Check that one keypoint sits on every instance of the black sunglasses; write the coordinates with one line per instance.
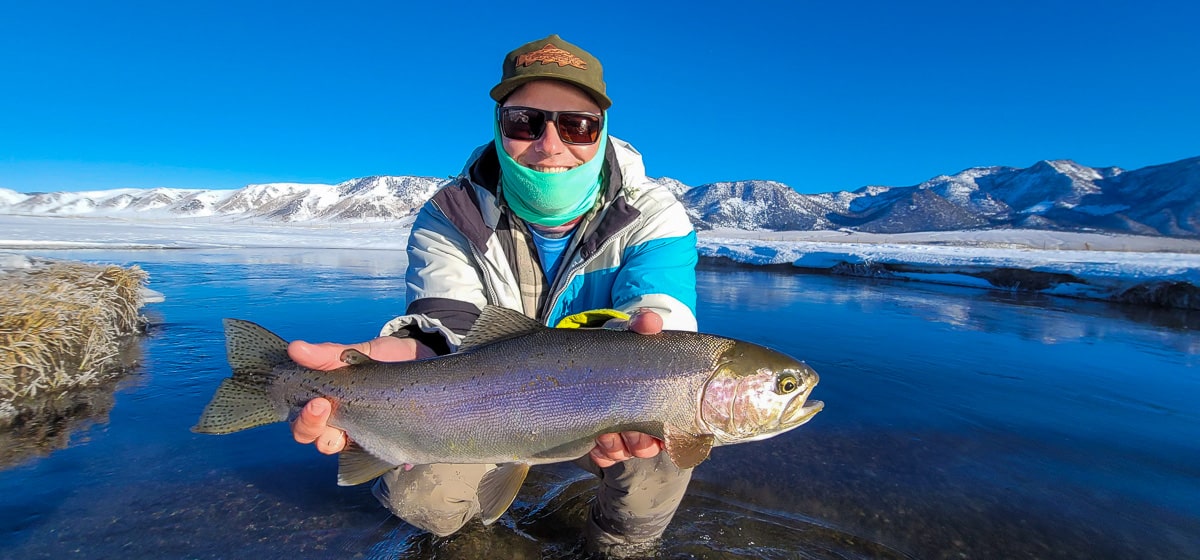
(527, 123)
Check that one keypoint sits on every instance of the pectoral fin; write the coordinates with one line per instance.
(499, 488)
(686, 450)
(356, 466)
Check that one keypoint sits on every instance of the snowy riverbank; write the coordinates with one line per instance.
(1136, 269)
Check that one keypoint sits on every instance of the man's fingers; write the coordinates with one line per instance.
(324, 356)
(641, 445)
(600, 459)
(610, 443)
(310, 425)
(331, 441)
(393, 349)
(645, 321)
(327, 356)
(611, 449)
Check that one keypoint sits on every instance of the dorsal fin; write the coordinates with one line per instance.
(497, 323)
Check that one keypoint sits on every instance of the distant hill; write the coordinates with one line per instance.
(1057, 195)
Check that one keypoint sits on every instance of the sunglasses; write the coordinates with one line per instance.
(527, 123)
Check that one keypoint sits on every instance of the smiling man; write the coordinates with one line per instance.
(556, 219)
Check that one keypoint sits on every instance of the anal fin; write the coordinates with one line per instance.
(499, 488)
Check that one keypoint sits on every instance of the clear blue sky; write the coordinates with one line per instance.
(823, 96)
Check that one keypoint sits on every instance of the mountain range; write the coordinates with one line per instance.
(1162, 200)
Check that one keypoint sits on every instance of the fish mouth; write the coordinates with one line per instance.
(799, 411)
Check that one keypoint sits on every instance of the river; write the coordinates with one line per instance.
(958, 424)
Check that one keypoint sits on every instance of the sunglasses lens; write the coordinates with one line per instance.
(578, 128)
(522, 124)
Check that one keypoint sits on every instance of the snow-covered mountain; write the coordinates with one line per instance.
(358, 200)
(752, 205)
(1058, 194)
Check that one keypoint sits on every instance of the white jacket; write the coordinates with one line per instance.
(635, 249)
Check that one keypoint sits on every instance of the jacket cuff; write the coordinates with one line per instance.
(437, 323)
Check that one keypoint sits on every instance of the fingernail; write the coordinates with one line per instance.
(317, 407)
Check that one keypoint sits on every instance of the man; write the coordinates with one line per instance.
(556, 219)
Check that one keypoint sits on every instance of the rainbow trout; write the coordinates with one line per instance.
(518, 394)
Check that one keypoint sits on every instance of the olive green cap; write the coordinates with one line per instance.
(555, 59)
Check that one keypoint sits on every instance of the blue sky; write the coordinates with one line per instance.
(823, 96)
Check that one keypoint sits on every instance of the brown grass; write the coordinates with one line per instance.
(61, 324)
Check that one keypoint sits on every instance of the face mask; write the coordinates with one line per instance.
(550, 199)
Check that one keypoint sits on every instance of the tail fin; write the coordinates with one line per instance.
(242, 402)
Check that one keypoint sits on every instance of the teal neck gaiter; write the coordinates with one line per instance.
(551, 199)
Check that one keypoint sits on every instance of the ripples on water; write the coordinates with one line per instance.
(958, 423)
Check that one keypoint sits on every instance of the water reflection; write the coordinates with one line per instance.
(51, 421)
(1049, 320)
(47, 423)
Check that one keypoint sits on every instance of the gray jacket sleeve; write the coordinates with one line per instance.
(444, 289)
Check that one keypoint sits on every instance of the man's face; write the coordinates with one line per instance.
(549, 154)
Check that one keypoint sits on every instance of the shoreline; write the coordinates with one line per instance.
(1153, 293)
(1144, 270)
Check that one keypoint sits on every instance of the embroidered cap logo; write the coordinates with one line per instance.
(551, 54)
(551, 58)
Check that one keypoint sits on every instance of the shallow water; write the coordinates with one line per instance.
(958, 424)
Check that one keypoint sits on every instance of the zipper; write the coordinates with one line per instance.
(561, 283)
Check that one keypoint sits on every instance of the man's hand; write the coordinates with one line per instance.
(644, 321)
(611, 449)
(312, 424)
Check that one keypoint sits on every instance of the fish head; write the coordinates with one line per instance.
(756, 393)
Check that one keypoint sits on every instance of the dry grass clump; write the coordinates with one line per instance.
(61, 323)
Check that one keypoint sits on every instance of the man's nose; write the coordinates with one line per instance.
(550, 143)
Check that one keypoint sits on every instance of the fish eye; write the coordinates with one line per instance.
(786, 384)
